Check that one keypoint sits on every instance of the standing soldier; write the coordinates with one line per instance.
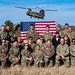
(26, 59)
(65, 31)
(62, 53)
(17, 31)
(38, 56)
(14, 54)
(32, 33)
(9, 33)
(72, 52)
(56, 40)
(3, 53)
(59, 29)
(47, 34)
(71, 33)
(48, 51)
(3, 34)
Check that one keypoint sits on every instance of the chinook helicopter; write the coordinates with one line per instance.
(39, 15)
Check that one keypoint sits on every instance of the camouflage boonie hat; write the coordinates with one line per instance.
(25, 42)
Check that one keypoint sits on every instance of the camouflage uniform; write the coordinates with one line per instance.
(33, 34)
(64, 32)
(3, 55)
(38, 57)
(41, 45)
(60, 33)
(47, 36)
(71, 35)
(3, 35)
(20, 45)
(64, 50)
(72, 54)
(17, 33)
(9, 36)
(48, 51)
(26, 54)
(14, 55)
(32, 46)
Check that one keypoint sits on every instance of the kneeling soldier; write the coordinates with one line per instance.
(48, 51)
(62, 53)
(14, 54)
(3, 53)
(72, 52)
(26, 59)
(38, 56)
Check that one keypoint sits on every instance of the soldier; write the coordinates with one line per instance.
(71, 33)
(17, 30)
(20, 43)
(3, 53)
(40, 41)
(9, 33)
(65, 31)
(67, 40)
(14, 54)
(32, 33)
(31, 43)
(26, 59)
(48, 51)
(56, 40)
(59, 29)
(3, 34)
(38, 56)
(47, 34)
(62, 53)
(72, 52)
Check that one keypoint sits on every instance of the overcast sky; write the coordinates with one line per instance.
(65, 13)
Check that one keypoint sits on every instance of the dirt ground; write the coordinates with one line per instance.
(17, 70)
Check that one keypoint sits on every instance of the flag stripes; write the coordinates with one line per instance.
(39, 27)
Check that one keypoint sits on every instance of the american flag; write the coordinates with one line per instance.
(39, 27)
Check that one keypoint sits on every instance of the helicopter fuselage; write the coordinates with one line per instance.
(35, 14)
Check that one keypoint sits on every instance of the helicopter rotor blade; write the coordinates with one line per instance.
(46, 9)
(38, 7)
(50, 10)
(21, 7)
(24, 8)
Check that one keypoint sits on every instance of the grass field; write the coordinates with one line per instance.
(17, 70)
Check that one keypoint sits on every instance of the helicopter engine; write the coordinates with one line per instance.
(29, 12)
(42, 13)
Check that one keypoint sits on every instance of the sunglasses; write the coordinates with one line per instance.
(26, 45)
